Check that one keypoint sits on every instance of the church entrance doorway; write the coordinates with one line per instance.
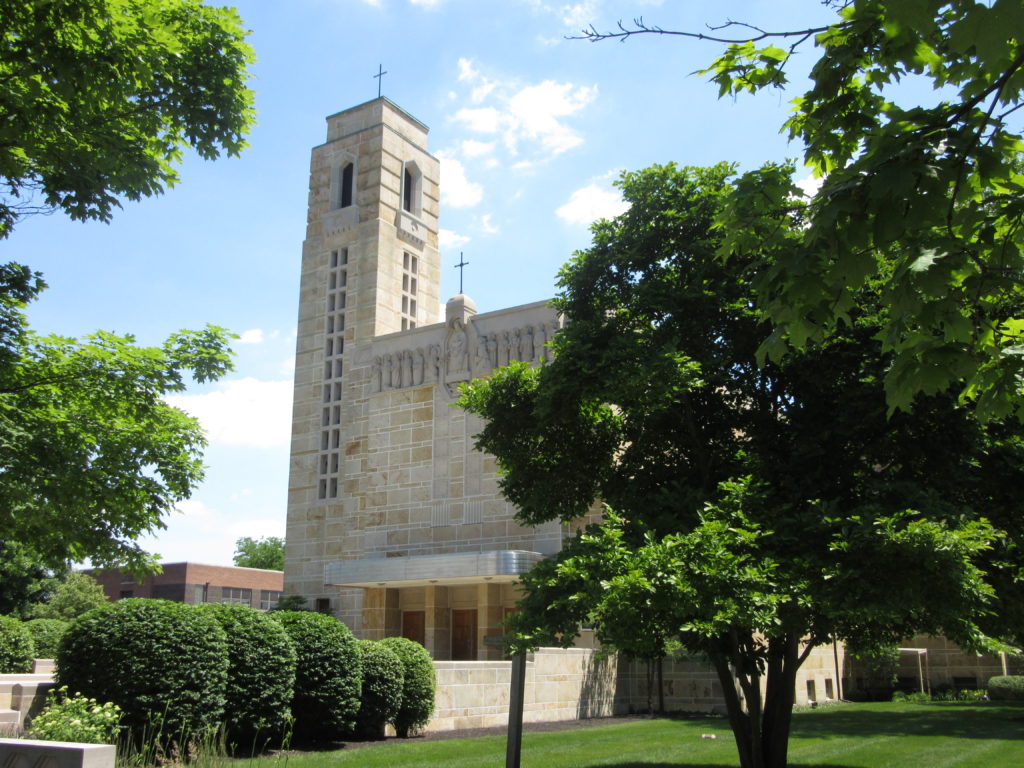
(413, 626)
(464, 635)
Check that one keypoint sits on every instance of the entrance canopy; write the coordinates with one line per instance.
(459, 568)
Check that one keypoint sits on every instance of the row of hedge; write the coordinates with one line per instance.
(179, 670)
(23, 641)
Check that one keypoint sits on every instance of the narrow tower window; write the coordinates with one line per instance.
(412, 188)
(407, 185)
(347, 183)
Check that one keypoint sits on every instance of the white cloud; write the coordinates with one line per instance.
(245, 412)
(487, 226)
(529, 119)
(195, 509)
(473, 148)
(252, 336)
(457, 191)
(481, 119)
(467, 71)
(809, 185)
(539, 107)
(448, 239)
(579, 15)
(590, 203)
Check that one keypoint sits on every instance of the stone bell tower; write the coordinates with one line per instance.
(370, 267)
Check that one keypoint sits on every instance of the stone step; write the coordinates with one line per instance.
(10, 717)
(6, 690)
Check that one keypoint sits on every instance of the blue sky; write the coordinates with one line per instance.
(531, 130)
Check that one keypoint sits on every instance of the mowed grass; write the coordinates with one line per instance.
(839, 736)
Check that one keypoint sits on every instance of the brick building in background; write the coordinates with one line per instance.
(195, 583)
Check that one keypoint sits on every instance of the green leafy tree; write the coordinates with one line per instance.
(927, 197)
(265, 553)
(91, 455)
(759, 510)
(75, 595)
(24, 580)
(46, 636)
(101, 97)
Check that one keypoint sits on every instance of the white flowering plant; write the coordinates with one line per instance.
(73, 717)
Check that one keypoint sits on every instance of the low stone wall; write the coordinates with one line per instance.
(581, 682)
(687, 686)
(560, 685)
(945, 664)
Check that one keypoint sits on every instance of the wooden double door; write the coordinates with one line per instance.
(463, 632)
(464, 635)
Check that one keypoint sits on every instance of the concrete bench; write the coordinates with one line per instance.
(28, 753)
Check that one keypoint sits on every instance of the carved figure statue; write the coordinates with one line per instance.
(389, 371)
(418, 366)
(434, 363)
(375, 374)
(480, 355)
(492, 350)
(528, 352)
(504, 348)
(407, 368)
(458, 357)
(541, 340)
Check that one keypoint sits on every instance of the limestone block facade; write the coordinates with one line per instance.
(395, 523)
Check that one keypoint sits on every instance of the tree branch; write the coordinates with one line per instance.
(640, 28)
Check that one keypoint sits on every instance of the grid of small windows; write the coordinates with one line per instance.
(269, 598)
(410, 275)
(236, 595)
(334, 351)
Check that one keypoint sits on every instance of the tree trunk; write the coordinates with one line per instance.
(761, 729)
(780, 695)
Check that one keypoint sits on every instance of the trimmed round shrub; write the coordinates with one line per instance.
(46, 634)
(76, 718)
(328, 676)
(261, 675)
(383, 678)
(418, 686)
(164, 664)
(17, 650)
(1006, 688)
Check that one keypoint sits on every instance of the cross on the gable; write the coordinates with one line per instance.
(462, 263)
(379, 77)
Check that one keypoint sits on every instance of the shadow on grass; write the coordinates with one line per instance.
(642, 764)
(967, 722)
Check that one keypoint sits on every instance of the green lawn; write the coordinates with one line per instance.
(842, 736)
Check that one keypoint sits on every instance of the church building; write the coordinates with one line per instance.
(395, 521)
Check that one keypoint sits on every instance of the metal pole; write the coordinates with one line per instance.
(517, 687)
(839, 676)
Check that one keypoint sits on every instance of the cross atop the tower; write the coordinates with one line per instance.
(379, 77)
(462, 263)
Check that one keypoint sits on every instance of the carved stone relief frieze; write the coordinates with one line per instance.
(464, 353)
